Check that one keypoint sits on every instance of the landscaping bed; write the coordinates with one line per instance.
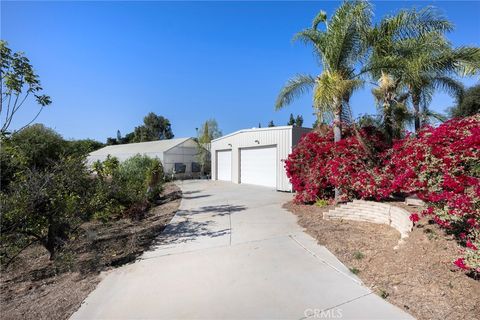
(419, 277)
(33, 287)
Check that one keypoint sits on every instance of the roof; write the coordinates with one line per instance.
(257, 129)
(141, 147)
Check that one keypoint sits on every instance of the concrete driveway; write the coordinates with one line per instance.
(232, 252)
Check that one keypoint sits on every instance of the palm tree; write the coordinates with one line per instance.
(429, 63)
(392, 104)
(410, 53)
(339, 48)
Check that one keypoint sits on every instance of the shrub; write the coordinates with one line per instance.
(317, 165)
(41, 146)
(133, 179)
(441, 165)
(44, 206)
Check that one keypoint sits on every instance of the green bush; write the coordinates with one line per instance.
(44, 206)
(126, 188)
(42, 147)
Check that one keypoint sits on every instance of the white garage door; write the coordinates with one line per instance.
(224, 165)
(259, 166)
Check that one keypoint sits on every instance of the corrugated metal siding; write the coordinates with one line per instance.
(281, 137)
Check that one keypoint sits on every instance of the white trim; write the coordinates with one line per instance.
(256, 129)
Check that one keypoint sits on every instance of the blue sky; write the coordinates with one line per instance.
(107, 64)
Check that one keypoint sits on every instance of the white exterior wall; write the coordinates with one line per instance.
(281, 137)
(185, 153)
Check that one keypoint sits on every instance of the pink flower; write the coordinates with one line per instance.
(471, 245)
(460, 262)
(414, 217)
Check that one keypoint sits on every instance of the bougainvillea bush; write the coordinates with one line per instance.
(439, 164)
(442, 166)
(317, 166)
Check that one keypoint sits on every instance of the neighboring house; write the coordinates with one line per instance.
(255, 156)
(178, 156)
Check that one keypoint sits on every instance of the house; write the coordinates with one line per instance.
(178, 156)
(255, 156)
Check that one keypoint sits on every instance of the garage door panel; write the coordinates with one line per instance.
(224, 165)
(259, 166)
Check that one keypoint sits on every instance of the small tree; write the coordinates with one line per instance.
(18, 82)
(299, 121)
(271, 124)
(291, 120)
(154, 127)
(469, 105)
(44, 206)
(208, 131)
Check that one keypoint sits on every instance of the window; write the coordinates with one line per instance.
(196, 167)
(180, 167)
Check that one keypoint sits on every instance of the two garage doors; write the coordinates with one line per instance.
(256, 166)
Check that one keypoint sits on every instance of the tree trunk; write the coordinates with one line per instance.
(416, 111)
(337, 133)
(337, 122)
(50, 242)
(387, 118)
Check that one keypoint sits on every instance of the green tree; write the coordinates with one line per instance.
(18, 82)
(41, 146)
(82, 147)
(271, 124)
(111, 141)
(392, 104)
(208, 131)
(468, 105)
(298, 121)
(339, 48)
(291, 120)
(154, 127)
(412, 50)
(44, 206)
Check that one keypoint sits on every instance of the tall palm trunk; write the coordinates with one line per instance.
(416, 110)
(387, 117)
(337, 120)
(337, 132)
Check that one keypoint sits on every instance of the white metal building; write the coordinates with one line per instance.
(255, 156)
(177, 155)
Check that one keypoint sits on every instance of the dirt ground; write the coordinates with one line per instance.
(419, 277)
(35, 288)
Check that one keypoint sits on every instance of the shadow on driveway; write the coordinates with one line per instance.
(216, 211)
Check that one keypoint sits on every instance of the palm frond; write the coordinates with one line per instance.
(294, 88)
(319, 18)
(451, 86)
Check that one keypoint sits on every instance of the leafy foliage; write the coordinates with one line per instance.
(35, 147)
(206, 134)
(469, 104)
(154, 127)
(441, 165)
(18, 82)
(44, 205)
(338, 48)
(47, 191)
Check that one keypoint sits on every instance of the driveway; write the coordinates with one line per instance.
(232, 252)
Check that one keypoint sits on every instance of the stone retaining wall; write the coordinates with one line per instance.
(374, 212)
